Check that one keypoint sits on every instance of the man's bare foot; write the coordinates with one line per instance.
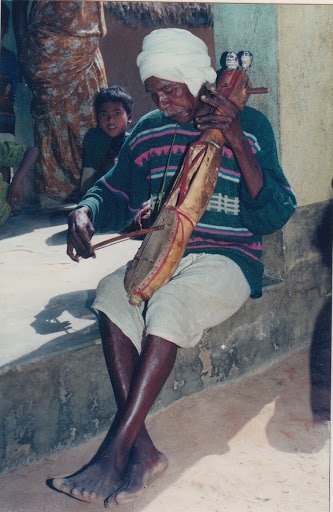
(141, 472)
(93, 483)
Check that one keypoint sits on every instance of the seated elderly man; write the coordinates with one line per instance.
(221, 267)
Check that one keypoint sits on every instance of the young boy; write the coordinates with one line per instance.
(12, 154)
(101, 145)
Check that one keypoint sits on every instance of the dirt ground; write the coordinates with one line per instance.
(248, 446)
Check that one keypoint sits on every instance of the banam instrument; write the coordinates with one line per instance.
(161, 250)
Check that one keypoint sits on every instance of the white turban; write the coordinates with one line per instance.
(177, 55)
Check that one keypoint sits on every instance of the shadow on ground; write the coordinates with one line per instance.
(320, 353)
(50, 320)
(30, 220)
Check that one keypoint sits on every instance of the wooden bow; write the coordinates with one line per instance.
(131, 234)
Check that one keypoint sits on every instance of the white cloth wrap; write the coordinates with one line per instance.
(204, 291)
(177, 55)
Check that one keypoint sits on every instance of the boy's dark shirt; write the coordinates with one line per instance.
(100, 150)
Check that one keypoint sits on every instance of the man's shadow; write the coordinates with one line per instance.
(320, 364)
(320, 354)
(77, 304)
(317, 376)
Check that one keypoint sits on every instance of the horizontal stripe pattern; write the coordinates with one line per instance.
(153, 154)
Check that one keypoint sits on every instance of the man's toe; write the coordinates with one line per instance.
(59, 484)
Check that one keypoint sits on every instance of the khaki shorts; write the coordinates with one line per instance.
(205, 290)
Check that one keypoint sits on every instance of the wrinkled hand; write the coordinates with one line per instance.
(146, 210)
(144, 213)
(79, 235)
(225, 117)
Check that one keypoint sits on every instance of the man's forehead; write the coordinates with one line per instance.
(154, 83)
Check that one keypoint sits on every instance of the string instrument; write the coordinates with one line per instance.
(161, 250)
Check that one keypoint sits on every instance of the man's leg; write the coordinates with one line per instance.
(146, 462)
(105, 473)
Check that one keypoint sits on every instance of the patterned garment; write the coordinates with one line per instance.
(64, 69)
(233, 223)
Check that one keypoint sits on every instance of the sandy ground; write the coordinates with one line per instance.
(248, 446)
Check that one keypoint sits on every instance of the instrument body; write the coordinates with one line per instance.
(161, 251)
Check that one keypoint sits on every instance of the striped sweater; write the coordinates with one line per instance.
(233, 223)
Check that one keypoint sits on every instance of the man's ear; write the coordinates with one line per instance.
(129, 118)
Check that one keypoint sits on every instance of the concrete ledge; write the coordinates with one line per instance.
(59, 395)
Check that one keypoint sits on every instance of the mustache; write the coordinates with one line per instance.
(173, 113)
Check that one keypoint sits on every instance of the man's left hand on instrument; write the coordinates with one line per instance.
(225, 117)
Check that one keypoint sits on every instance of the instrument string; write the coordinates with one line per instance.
(161, 193)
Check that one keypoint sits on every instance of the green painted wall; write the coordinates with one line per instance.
(252, 27)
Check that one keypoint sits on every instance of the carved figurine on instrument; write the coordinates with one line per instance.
(245, 58)
(231, 60)
(213, 174)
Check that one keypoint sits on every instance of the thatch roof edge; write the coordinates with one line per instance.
(181, 14)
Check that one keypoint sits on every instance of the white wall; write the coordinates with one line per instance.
(305, 39)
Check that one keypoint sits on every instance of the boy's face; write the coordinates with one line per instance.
(112, 118)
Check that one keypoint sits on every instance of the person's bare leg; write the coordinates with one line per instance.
(146, 462)
(104, 474)
(96, 480)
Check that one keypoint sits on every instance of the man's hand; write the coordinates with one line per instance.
(225, 117)
(144, 213)
(79, 235)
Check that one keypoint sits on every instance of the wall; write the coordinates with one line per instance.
(305, 48)
(254, 28)
(292, 46)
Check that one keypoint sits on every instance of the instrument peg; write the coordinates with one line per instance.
(245, 57)
(257, 90)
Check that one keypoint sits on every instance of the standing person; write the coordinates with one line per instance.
(59, 55)
(101, 145)
(8, 82)
(221, 267)
(12, 155)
